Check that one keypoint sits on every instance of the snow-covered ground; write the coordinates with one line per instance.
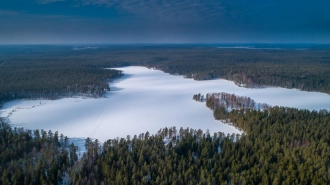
(146, 100)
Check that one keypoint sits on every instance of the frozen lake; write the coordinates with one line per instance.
(146, 100)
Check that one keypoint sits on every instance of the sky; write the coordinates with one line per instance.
(164, 21)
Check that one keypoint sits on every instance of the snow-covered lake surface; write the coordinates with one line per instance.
(145, 100)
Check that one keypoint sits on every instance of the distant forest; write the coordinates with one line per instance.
(46, 77)
(56, 71)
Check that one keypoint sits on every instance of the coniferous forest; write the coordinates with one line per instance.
(34, 157)
(57, 71)
(52, 80)
(279, 145)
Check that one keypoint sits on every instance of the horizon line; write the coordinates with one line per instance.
(183, 43)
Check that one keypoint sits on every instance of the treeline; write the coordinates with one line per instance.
(183, 156)
(308, 70)
(40, 78)
(34, 157)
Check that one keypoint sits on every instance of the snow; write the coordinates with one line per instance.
(145, 100)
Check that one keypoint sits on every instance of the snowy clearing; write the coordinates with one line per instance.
(146, 100)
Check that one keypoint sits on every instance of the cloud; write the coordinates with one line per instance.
(166, 21)
(8, 12)
(189, 11)
(48, 1)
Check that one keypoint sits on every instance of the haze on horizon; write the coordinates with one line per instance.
(160, 21)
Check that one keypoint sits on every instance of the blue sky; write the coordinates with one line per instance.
(164, 21)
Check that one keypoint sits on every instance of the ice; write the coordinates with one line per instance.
(146, 100)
